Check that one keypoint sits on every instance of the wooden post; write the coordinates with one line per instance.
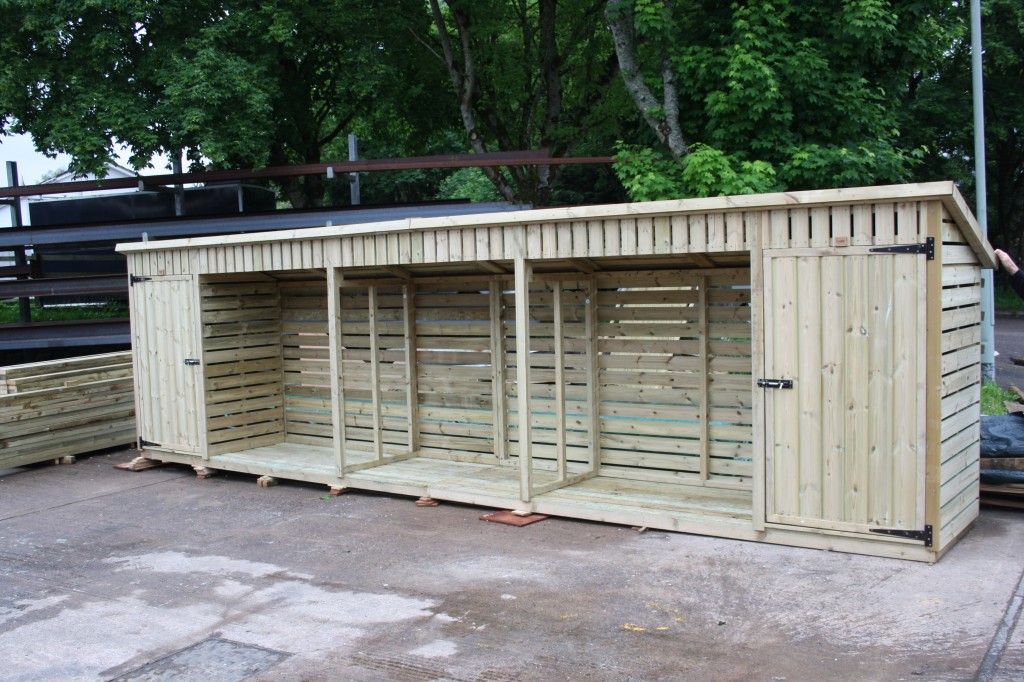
(559, 333)
(411, 367)
(705, 401)
(334, 335)
(593, 388)
(378, 426)
(524, 273)
(499, 403)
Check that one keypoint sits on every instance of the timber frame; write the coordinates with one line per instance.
(798, 368)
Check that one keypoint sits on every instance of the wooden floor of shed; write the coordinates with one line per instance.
(669, 506)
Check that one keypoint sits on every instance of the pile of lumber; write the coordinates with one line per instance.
(62, 408)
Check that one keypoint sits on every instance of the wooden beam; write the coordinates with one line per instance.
(499, 395)
(701, 260)
(593, 387)
(334, 282)
(585, 265)
(412, 391)
(524, 271)
(378, 425)
(491, 266)
(757, 362)
(559, 333)
(705, 402)
(397, 271)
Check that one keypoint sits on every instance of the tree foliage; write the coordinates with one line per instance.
(939, 113)
(525, 75)
(784, 94)
(236, 84)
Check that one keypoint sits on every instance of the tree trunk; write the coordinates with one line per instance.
(661, 116)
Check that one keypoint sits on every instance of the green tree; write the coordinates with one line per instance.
(526, 75)
(757, 96)
(231, 84)
(939, 113)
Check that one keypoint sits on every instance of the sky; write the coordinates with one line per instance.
(32, 165)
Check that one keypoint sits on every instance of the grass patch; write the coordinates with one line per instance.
(9, 312)
(1005, 298)
(992, 398)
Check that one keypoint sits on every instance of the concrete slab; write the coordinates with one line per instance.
(103, 571)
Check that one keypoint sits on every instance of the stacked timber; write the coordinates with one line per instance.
(50, 410)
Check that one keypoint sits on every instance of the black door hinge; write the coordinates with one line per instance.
(927, 248)
(924, 536)
(148, 444)
(135, 279)
(775, 383)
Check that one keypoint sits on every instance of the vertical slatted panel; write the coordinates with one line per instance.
(863, 225)
(881, 378)
(885, 224)
(842, 228)
(808, 317)
(857, 357)
(164, 336)
(847, 446)
(242, 359)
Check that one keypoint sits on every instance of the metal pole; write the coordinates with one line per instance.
(988, 357)
(24, 304)
(353, 178)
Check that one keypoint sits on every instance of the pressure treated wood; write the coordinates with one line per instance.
(598, 362)
(65, 407)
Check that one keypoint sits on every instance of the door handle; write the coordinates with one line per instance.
(775, 383)
(191, 361)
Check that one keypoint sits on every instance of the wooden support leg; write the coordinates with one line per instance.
(337, 490)
(266, 481)
(140, 464)
(68, 459)
(203, 473)
(427, 502)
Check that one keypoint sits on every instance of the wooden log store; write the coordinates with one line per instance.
(798, 368)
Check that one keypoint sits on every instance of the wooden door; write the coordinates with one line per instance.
(846, 444)
(168, 370)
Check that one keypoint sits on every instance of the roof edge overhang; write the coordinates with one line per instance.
(945, 191)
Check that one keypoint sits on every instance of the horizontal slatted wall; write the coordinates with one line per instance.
(456, 343)
(546, 368)
(306, 362)
(675, 378)
(961, 382)
(241, 320)
(373, 370)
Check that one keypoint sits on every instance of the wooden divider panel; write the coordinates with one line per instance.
(373, 370)
(457, 348)
(306, 362)
(675, 377)
(242, 359)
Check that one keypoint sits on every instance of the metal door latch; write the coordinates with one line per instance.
(191, 361)
(775, 383)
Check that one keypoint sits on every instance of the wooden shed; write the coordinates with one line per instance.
(799, 368)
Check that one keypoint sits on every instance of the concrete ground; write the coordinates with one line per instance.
(106, 574)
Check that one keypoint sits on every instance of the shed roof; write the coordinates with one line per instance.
(946, 192)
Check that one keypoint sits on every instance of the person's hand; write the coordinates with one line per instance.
(1007, 262)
